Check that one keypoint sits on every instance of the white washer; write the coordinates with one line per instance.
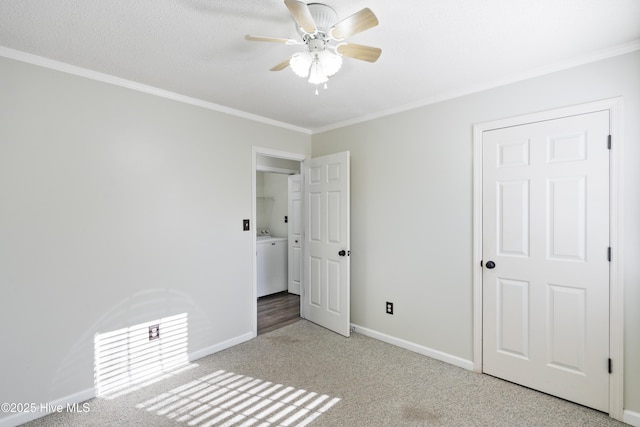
(272, 265)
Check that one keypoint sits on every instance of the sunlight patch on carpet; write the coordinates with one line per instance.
(228, 399)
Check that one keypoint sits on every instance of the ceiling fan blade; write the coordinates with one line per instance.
(281, 66)
(354, 24)
(301, 14)
(358, 51)
(271, 39)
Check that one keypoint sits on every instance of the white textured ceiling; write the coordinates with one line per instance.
(431, 49)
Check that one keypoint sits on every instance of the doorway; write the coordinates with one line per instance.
(275, 307)
(513, 342)
(325, 230)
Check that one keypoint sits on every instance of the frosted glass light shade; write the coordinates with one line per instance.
(317, 74)
(318, 66)
(300, 63)
(330, 62)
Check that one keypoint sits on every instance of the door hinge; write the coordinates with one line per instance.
(609, 254)
(610, 366)
(609, 142)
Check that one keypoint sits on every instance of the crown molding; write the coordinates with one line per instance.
(106, 78)
(117, 81)
(564, 65)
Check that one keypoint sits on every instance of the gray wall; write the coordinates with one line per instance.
(117, 207)
(273, 202)
(411, 206)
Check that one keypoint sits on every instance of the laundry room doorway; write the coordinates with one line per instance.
(278, 302)
(323, 235)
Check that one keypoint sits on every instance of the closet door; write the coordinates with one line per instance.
(545, 252)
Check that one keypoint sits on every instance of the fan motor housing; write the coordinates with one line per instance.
(324, 17)
(317, 44)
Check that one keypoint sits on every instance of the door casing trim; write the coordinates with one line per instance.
(616, 283)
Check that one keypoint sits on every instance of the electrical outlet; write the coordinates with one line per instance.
(389, 307)
(154, 332)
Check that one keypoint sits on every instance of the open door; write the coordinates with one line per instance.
(326, 288)
(295, 233)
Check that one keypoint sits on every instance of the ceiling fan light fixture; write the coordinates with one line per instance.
(318, 66)
(317, 74)
(300, 63)
(330, 62)
(322, 35)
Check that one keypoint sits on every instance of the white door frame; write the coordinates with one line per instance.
(255, 151)
(616, 296)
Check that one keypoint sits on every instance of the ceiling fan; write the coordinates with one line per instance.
(323, 38)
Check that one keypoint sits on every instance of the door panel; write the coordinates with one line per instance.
(334, 287)
(314, 217)
(295, 233)
(568, 329)
(326, 290)
(315, 282)
(513, 201)
(513, 322)
(333, 217)
(546, 228)
(567, 218)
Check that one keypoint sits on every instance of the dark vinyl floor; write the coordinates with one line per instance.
(277, 310)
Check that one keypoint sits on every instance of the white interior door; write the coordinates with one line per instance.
(545, 254)
(326, 287)
(295, 233)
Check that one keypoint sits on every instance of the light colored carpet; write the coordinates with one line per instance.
(303, 374)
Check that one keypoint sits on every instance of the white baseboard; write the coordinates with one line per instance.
(46, 408)
(632, 418)
(199, 354)
(425, 351)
